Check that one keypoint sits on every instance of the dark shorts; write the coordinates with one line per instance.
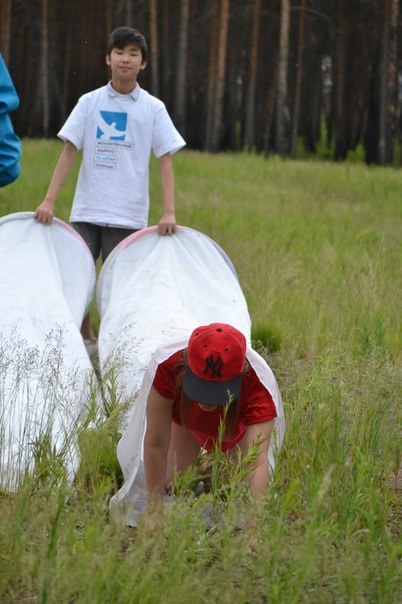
(101, 239)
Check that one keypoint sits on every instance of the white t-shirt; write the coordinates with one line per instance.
(117, 133)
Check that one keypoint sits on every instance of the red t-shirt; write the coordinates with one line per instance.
(256, 405)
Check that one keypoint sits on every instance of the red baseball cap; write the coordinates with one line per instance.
(216, 357)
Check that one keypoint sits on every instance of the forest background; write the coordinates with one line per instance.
(291, 77)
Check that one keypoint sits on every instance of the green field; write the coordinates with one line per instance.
(318, 249)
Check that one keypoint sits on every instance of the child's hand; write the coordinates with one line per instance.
(153, 521)
(44, 212)
(167, 224)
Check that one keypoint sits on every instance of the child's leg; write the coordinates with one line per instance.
(86, 328)
(111, 237)
(91, 234)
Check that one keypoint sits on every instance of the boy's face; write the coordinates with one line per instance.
(126, 63)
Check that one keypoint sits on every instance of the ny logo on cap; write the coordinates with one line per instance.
(213, 366)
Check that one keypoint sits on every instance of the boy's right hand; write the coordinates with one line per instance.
(44, 213)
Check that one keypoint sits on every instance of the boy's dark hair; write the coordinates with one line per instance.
(122, 36)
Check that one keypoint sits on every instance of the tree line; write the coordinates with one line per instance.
(269, 76)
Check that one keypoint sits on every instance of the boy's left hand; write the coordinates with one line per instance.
(167, 225)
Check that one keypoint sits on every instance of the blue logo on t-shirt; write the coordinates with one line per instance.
(111, 126)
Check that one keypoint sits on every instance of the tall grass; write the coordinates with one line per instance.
(317, 247)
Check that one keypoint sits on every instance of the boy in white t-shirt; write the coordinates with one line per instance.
(117, 126)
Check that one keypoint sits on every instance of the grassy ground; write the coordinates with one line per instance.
(317, 247)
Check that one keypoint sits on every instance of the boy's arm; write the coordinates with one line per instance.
(258, 435)
(45, 212)
(167, 224)
(156, 444)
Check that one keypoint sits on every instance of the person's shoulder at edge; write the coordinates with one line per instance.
(10, 145)
(9, 100)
